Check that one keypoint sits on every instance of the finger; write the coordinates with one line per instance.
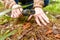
(18, 11)
(12, 14)
(41, 19)
(15, 13)
(45, 18)
(21, 9)
(37, 20)
(30, 17)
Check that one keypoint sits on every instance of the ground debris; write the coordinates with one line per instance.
(31, 31)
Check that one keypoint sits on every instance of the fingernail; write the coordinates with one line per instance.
(45, 24)
(40, 25)
(11, 15)
(48, 21)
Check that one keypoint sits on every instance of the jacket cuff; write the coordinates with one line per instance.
(8, 3)
(38, 3)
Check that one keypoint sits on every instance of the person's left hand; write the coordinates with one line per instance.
(40, 17)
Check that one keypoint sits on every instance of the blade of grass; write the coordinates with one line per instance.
(3, 37)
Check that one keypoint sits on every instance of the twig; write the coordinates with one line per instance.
(25, 32)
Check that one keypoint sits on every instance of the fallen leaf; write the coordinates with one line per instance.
(57, 35)
(49, 31)
(26, 25)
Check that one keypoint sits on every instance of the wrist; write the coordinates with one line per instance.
(38, 3)
(16, 6)
(37, 8)
(9, 3)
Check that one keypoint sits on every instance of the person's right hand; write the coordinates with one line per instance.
(16, 13)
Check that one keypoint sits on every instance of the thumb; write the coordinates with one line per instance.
(30, 17)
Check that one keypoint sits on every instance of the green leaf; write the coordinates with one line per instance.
(4, 12)
(3, 37)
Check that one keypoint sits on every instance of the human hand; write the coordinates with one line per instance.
(40, 17)
(16, 12)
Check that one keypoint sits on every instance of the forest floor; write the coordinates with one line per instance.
(20, 29)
